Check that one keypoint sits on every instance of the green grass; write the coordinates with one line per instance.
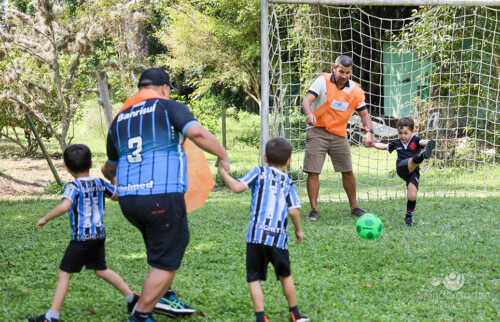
(339, 276)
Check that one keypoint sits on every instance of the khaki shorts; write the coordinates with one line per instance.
(318, 143)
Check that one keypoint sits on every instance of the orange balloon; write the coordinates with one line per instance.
(200, 181)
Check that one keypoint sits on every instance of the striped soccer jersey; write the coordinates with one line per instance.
(273, 193)
(146, 143)
(87, 209)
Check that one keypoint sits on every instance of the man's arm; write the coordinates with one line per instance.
(109, 171)
(307, 107)
(208, 142)
(367, 123)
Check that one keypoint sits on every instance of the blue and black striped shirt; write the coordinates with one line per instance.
(146, 143)
(87, 209)
(273, 193)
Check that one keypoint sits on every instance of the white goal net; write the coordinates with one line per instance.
(437, 64)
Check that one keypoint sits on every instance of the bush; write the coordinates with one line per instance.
(54, 189)
(219, 182)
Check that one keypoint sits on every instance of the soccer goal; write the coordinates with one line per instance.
(437, 61)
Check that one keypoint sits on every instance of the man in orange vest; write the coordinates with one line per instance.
(329, 104)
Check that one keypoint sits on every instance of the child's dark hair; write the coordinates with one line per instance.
(406, 121)
(78, 158)
(278, 151)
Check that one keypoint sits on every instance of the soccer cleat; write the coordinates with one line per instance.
(358, 212)
(135, 319)
(313, 215)
(172, 306)
(131, 305)
(428, 149)
(298, 318)
(408, 220)
(42, 318)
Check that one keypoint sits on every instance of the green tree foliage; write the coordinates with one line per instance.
(463, 44)
(215, 43)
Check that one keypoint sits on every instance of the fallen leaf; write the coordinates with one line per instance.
(368, 285)
(493, 269)
(90, 310)
(200, 313)
(319, 310)
(420, 297)
(24, 290)
(9, 264)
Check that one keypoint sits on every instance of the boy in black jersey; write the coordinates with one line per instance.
(410, 156)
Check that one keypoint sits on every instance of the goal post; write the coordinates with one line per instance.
(437, 61)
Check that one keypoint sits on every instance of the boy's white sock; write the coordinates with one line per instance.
(51, 315)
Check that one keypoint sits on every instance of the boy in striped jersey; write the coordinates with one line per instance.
(83, 200)
(274, 196)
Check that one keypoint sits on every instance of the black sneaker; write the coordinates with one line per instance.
(298, 318)
(131, 305)
(408, 220)
(42, 318)
(313, 215)
(428, 149)
(358, 212)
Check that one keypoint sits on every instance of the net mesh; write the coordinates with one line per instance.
(439, 65)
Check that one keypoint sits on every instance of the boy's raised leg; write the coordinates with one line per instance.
(114, 279)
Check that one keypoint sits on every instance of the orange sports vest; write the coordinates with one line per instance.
(334, 114)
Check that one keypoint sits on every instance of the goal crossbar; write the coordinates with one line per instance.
(394, 2)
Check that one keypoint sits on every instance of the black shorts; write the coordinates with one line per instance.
(90, 253)
(258, 258)
(162, 220)
(404, 173)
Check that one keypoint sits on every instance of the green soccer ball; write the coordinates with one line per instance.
(369, 226)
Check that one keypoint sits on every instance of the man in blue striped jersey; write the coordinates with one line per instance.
(147, 159)
(83, 200)
(274, 196)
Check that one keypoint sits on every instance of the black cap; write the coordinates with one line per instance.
(155, 76)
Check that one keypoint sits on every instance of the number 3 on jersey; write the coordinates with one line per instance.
(135, 145)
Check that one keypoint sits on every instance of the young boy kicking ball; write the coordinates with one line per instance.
(408, 147)
(274, 196)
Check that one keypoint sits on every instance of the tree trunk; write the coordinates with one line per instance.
(104, 101)
(224, 125)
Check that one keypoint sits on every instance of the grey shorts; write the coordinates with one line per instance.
(319, 142)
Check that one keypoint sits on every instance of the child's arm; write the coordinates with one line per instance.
(231, 182)
(380, 146)
(59, 210)
(423, 143)
(294, 213)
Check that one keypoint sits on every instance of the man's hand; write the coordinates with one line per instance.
(311, 119)
(367, 140)
(222, 163)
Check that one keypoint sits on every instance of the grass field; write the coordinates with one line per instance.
(339, 277)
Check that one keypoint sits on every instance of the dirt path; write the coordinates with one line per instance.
(26, 178)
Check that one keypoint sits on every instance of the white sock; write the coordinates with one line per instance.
(130, 298)
(51, 315)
